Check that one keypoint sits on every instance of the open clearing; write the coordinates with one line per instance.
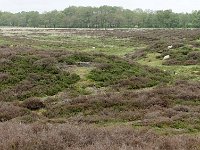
(99, 89)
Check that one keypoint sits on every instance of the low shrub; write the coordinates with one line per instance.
(68, 136)
(112, 106)
(183, 56)
(34, 76)
(33, 104)
(9, 111)
(119, 71)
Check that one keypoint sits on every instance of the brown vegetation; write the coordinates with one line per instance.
(33, 103)
(162, 106)
(65, 136)
(9, 111)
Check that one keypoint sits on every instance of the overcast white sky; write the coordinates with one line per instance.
(46, 5)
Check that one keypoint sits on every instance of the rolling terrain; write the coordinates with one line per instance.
(99, 89)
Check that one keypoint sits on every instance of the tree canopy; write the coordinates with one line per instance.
(101, 17)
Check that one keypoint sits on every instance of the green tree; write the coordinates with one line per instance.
(33, 19)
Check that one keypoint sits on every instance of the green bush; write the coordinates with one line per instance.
(120, 70)
(31, 76)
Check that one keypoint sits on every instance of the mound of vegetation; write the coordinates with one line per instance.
(118, 72)
(41, 73)
(9, 111)
(29, 75)
(33, 104)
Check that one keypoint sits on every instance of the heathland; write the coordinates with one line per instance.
(99, 89)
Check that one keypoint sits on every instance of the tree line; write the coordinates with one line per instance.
(101, 17)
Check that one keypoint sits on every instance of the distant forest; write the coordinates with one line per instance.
(101, 17)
